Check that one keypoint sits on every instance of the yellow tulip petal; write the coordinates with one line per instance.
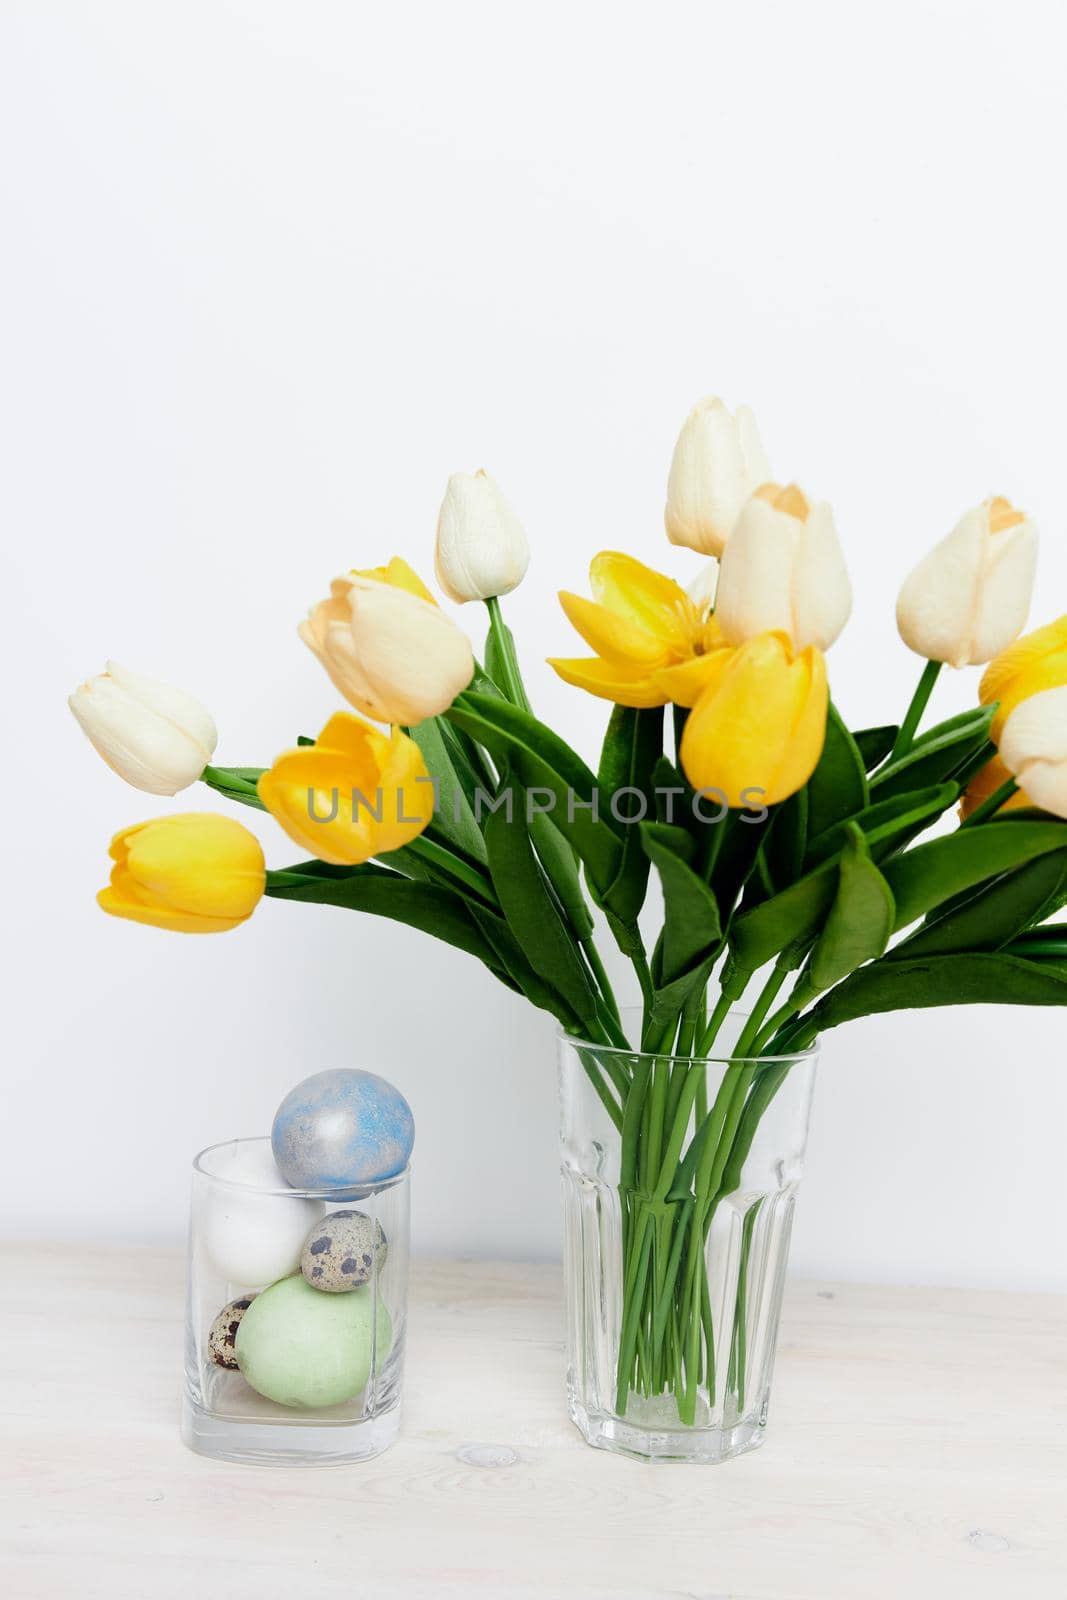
(355, 793)
(686, 682)
(756, 733)
(160, 917)
(194, 873)
(649, 599)
(1035, 662)
(613, 636)
(399, 576)
(200, 863)
(609, 681)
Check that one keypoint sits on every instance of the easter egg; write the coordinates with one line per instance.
(304, 1349)
(342, 1128)
(253, 1237)
(223, 1333)
(342, 1251)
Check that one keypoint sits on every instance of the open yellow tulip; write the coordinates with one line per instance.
(355, 793)
(756, 730)
(644, 628)
(195, 873)
(1035, 662)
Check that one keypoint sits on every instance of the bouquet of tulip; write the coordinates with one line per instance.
(785, 842)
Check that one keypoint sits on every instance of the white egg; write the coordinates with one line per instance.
(253, 1238)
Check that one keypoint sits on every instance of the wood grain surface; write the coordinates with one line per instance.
(917, 1447)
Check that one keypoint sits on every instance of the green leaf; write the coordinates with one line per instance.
(790, 918)
(517, 971)
(794, 917)
(533, 914)
(781, 859)
(632, 747)
(453, 816)
(935, 756)
(837, 789)
(951, 980)
(860, 920)
(740, 840)
(874, 744)
(933, 872)
(383, 893)
(542, 759)
(888, 824)
(995, 915)
(691, 931)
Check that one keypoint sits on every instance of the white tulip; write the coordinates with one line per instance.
(718, 462)
(969, 598)
(393, 655)
(482, 549)
(158, 738)
(783, 569)
(1033, 747)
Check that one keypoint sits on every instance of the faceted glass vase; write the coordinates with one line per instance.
(331, 1359)
(675, 1253)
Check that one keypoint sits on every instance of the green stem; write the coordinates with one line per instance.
(718, 1017)
(592, 955)
(994, 803)
(913, 716)
(509, 661)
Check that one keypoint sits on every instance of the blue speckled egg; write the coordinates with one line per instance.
(342, 1127)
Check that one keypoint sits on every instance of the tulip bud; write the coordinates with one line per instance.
(482, 550)
(194, 873)
(1033, 747)
(783, 571)
(353, 794)
(387, 646)
(158, 738)
(1036, 661)
(969, 598)
(718, 462)
(756, 731)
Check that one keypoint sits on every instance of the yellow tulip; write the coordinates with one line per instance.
(355, 793)
(649, 636)
(985, 783)
(387, 645)
(1035, 662)
(756, 730)
(195, 873)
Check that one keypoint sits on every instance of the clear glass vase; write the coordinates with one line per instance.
(296, 1313)
(679, 1182)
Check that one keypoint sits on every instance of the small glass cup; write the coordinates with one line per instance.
(315, 1377)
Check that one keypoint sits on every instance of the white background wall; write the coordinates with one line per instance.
(271, 272)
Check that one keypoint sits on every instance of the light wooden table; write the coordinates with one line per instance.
(917, 1447)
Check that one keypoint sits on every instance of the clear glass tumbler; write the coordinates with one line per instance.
(296, 1313)
(679, 1183)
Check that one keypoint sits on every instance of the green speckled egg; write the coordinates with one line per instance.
(305, 1349)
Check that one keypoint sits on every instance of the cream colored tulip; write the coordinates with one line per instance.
(387, 646)
(158, 738)
(1033, 747)
(783, 571)
(718, 462)
(482, 549)
(969, 597)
